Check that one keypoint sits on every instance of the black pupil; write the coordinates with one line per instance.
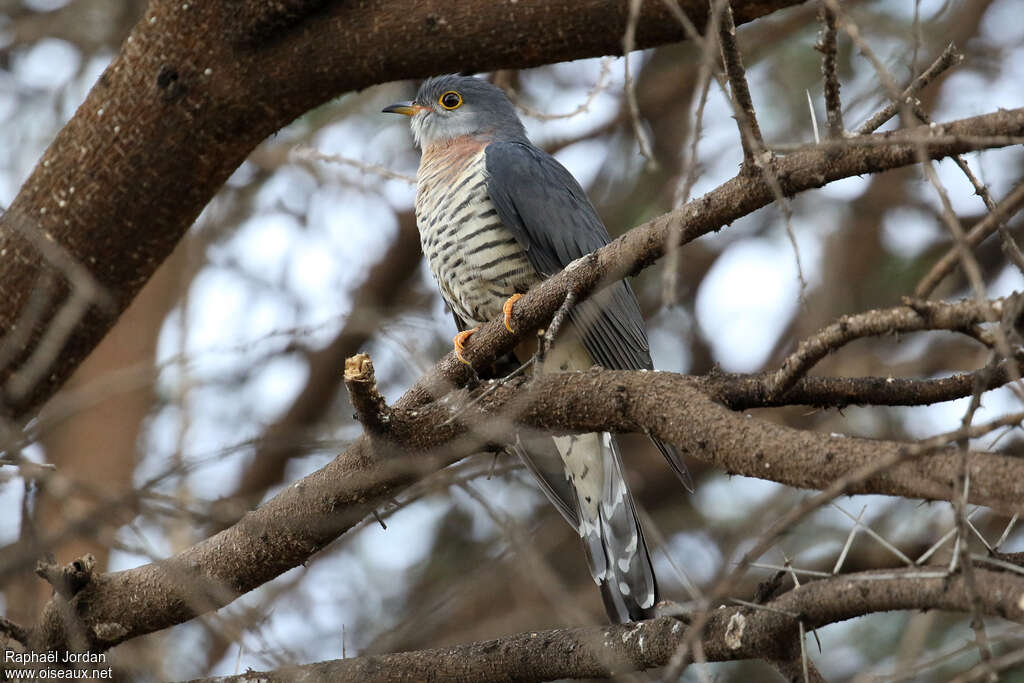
(450, 100)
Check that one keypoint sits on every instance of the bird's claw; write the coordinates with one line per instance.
(460, 343)
(507, 310)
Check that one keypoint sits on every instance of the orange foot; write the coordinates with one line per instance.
(507, 310)
(460, 343)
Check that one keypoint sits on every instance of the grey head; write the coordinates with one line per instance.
(453, 106)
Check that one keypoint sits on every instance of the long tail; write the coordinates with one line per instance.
(608, 524)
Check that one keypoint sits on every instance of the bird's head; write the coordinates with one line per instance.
(453, 106)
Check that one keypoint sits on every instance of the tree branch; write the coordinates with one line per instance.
(1001, 213)
(948, 58)
(674, 408)
(826, 45)
(372, 410)
(743, 105)
(742, 392)
(961, 316)
(732, 633)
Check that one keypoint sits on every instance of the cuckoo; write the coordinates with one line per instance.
(496, 215)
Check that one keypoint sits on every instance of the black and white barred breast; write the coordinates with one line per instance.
(475, 259)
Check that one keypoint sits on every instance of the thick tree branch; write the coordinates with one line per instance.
(194, 89)
(742, 392)
(732, 633)
(674, 408)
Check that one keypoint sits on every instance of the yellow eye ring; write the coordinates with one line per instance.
(450, 100)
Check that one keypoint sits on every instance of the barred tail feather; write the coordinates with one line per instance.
(616, 550)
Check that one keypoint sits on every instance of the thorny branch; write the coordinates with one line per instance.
(827, 46)
(999, 333)
(963, 316)
(841, 485)
(746, 117)
(742, 392)
(948, 58)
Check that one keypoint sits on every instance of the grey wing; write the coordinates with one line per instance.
(555, 223)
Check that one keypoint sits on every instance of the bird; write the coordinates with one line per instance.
(496, 215)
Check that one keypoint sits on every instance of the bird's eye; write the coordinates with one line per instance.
(450, 100)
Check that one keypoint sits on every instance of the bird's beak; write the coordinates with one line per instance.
(407, 108)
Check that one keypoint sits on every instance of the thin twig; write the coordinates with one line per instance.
(935, 136)
(1008, 244)
(305, 153)
(979, 535)
(1006, 531)
(800, 512)
(877, 536)
(973, 270)
(989, 670)
(849, 541)
(628, 43)
(602, 83)
(548, 340)
(767, 608)
(827, 47)
(948, 58)
(492, 386)
(939, 543)
(688, 174)
(908, 109)
(746, 118)
(998, 214)
(959, 500)
(804, 572)
(13, 631)
(918, 38)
